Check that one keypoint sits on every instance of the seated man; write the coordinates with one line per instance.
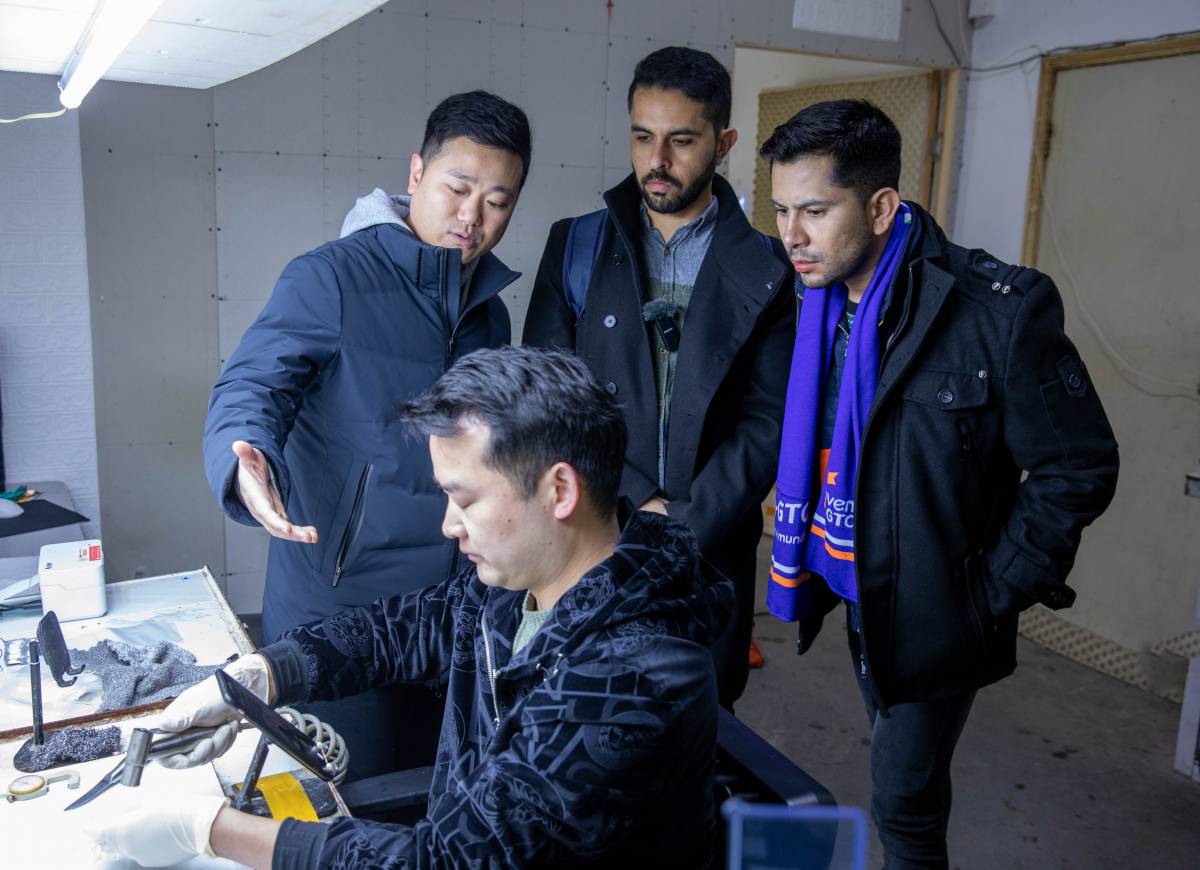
(581, 717)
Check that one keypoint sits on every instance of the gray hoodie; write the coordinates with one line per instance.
(377, 207)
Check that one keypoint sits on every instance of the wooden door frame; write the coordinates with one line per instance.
(1052, 64)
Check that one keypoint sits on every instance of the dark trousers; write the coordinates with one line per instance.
(386, 729)
(911, 748)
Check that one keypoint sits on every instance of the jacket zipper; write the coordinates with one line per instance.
(352, 526)
(491, 673)
(447, 327)
(862, 632)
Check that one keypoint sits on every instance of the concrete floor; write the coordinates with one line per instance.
(1059, 766)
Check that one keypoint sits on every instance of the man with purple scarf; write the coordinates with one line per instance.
(926, 379)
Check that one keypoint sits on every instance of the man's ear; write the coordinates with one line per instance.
(563, 489)
(882, 208)
(725, 142)
(416, 168)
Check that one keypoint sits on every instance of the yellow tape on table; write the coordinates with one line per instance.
(286, 798)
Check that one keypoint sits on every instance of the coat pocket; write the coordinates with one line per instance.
(1076, 415)
(949, 391)
(978, 609)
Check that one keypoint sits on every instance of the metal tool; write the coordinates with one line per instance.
(144, 745)
(15, 652)
(35, 693)
(33, 785)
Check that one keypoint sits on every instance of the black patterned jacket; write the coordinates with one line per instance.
(595, 744)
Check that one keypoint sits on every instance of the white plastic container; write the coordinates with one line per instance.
(71, 577)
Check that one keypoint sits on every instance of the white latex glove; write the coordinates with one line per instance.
(202, 704)
(157, 833)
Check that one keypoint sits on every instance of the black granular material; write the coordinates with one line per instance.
(132, 675)
(68, 746)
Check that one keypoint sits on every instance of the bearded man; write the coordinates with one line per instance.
(685, 314)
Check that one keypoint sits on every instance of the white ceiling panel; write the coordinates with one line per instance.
(187, 43)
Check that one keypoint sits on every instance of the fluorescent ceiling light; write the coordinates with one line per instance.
(113, 25)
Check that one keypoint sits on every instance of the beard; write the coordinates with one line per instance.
(668, 203)
(850, 259)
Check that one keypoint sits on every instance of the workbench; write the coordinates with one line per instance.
(186, 608)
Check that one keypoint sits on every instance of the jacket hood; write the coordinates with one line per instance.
(375, 208)
(655, 583)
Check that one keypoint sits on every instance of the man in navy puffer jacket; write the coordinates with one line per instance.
(581, 722)
(301, 436)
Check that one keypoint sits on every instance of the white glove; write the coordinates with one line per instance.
(202, 704)
(157, 833)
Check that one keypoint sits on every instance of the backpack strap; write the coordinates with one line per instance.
(585, 240)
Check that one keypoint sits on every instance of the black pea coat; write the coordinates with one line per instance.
(978, 384)
(730, 382)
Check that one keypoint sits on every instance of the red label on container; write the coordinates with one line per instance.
(94, 553)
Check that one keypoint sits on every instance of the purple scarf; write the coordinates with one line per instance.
(821, 541)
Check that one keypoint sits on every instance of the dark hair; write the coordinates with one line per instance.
(861, 139)
(482, 118)
(698, 74)
(542, 407)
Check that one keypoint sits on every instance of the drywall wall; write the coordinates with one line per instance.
(1001, 104)
(45, 330)
(148, 194)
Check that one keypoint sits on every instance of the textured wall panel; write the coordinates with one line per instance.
(45, 332)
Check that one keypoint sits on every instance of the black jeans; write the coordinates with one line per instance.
(911, 748)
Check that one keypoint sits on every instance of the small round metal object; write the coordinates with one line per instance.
(33, 785)
(1006, 289)
(945, 396)
(611, 388)
(610, 321)
(770, 285)
(618, 259)
(982, 374)
(1074, 381)
(996, 286)
(29, 786)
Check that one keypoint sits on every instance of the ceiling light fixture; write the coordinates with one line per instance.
(112, 26)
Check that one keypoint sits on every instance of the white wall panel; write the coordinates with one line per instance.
(342, 186)
(555, 15)
(560, 89)
(269, 210)
(148, 164)
(246, 566)
(274, 109)
(393, 84)
(341, 88)
(45, 332)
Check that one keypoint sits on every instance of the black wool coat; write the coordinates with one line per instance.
(730, 382)
(978, 384)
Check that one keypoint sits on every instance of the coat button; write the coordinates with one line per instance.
(610, 321)
(1074, 381)
(618, 259)
(996, 286)
(982, 374)
(611, 387)
(945, 397)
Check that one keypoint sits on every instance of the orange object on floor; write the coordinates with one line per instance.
(757, 660)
